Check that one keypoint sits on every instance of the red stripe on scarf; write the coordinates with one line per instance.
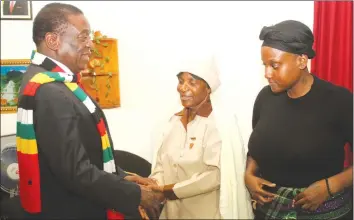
(31, 88)
(29, 183)
(101, 127)
(113, 215)
(78, 75)
(57, 69)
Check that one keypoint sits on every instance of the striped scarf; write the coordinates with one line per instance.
(27, 151)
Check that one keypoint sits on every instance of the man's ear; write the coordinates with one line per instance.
(52, 41)
(303, 59)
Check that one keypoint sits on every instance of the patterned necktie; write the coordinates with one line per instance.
(12, 4)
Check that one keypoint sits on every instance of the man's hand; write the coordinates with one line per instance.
(313, 196)
(151, 201)
(143, 213)
(140, 180)
(255, 187)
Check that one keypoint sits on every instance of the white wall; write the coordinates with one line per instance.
(151, 35)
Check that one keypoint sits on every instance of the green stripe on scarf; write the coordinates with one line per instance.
(107, 155)
(80, 94)
(56, 76)
(25, 131)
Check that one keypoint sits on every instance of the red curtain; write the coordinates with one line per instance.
(333, 32)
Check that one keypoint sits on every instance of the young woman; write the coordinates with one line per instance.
(300, 126)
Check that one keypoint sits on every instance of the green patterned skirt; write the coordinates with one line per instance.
(337, 207)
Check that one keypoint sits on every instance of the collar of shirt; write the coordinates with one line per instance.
(188, 114)
(203, 111)
(62, 66)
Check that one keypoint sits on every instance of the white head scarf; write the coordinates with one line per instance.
(204, 66)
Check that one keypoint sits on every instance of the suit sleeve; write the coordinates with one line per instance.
(58, 139)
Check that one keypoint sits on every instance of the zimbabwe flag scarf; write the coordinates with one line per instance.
(27, 151)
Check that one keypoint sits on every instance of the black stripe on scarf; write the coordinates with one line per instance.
(48, 64)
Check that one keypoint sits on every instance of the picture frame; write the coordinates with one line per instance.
(16, 10)
(11, 76)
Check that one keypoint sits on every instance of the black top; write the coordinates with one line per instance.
(297, 142)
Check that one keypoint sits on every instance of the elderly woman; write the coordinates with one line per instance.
(200, 161)
(300, 126)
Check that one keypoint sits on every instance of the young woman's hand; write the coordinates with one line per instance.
(255, 187)
(313, 196)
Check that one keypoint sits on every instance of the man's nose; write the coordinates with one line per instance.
(90, 44)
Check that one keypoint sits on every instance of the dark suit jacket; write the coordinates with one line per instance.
(20, 8)
(73, 183)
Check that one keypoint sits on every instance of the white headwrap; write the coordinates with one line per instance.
(203, 66)
(235, 201)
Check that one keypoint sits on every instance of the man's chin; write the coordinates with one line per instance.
(83, 67)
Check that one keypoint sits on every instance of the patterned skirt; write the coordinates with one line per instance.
(338, 207)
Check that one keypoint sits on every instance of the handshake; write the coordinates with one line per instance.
(152, 196)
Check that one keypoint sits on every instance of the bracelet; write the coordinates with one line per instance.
(328, 190)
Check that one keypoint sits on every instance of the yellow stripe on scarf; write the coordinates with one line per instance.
(42, 78)
(72, 86)
(26, 146)
(105, 141)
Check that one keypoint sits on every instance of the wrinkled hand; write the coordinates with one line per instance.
(156, 188)
(140, 180)
(255, 186)
(313, 196)
(151, 201)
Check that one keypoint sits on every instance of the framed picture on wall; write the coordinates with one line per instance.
(16, 10)
(11, 76)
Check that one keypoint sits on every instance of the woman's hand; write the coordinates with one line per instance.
(255, 187)
(313, 196)
(156, 188)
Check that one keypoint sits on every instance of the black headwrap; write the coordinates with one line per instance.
(290, 36)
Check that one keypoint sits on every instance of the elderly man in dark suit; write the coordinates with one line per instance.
(15, 7)
(62, 169)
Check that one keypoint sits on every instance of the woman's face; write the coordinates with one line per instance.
(282, 69)
(192, 91)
